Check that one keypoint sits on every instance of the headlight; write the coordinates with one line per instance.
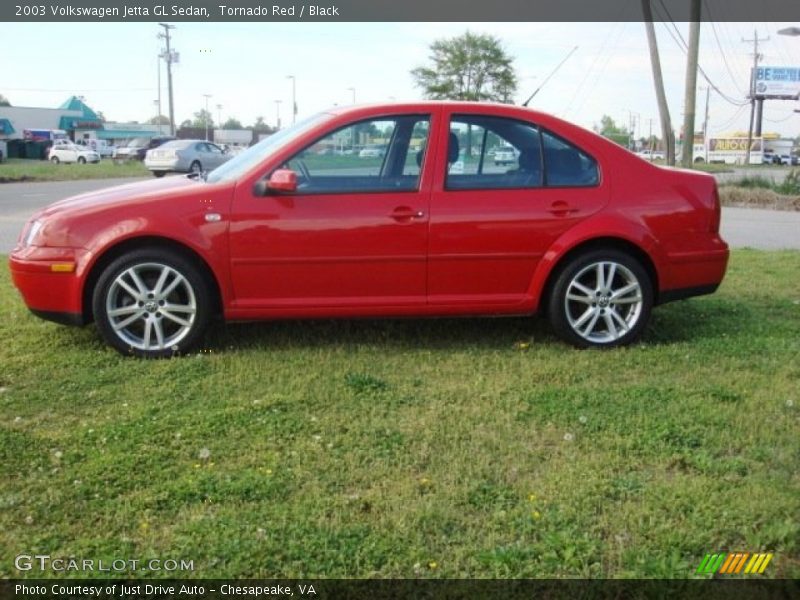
(33, 230)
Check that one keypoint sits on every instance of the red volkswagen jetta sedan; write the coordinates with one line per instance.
(306, 224)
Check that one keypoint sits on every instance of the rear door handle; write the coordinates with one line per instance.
(561, 209)
(406, 213)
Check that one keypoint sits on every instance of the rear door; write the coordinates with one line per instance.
(492, 222)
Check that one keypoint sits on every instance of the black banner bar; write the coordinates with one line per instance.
(388, 10)
(396, 589)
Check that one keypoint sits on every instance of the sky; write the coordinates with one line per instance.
(244, 66)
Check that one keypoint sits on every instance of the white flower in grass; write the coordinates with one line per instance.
(29, 520)
(17, 419)
(790, 403)
(568, 437)
(204, 454)
(583, 420)
(58, 454)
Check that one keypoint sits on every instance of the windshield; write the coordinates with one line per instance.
(137, 143)
(241, 163)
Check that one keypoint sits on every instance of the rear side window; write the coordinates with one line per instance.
(501, 153)
(566, 165)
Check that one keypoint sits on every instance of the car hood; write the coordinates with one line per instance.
(131, 193)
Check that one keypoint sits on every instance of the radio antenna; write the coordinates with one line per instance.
(546, 79)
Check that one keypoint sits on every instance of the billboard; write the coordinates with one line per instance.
(734, 144)
(777, 82)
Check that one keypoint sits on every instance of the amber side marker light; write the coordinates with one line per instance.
(62, 267)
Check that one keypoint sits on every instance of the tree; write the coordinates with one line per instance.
(609, 128)
(232, 123)
(159, 120)
(261, 126)
(101, 116)
(185, 124)
(203, 118)
(4, 101)
(468, 67)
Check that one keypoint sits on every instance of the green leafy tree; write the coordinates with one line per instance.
(471, 66)
(261, 126)
(609, 128)
(203, 118)
(159, 120)
(232, 123)
(4, 101)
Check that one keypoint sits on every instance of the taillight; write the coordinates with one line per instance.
(716, 216)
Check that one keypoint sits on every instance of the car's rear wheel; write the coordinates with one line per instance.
(159, 173)
(602, 298)
(81, 160)
(54, 160)
(196, 167)
(152, 303)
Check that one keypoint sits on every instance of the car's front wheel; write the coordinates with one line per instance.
(196, 167)
(54, 160)
(81, 160)
(152, 303)
(601, 298)
(159, 173)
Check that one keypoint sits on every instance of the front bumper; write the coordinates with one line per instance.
(50, 281)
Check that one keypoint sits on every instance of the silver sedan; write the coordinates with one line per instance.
(185, 156)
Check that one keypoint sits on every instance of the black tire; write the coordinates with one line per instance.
(136, 337)
(196, 167)
(81, 160)
(159, 173)
(54, 160)
(610, 321)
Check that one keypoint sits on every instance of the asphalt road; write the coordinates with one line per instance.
(765, 229)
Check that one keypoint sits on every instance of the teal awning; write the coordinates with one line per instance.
(115, 134)
(5, 127)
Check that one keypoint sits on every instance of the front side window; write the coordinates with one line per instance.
(376, 155)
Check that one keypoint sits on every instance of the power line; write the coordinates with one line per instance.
(722, 52)
(681, 43)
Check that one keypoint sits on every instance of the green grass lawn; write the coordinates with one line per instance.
(432, 448)
(20, 169)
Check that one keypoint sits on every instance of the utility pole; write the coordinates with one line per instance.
(756, 57)
(170, 58)
(705, 120)
(278, 113)
(208, 114)
(294, 97)
(219, 116)
(690, 93)
(658, 80)
(158, 101)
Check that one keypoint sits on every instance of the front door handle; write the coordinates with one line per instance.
(406, 213)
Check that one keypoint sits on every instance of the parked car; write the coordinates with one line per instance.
(504, 156)
(3, 151)
(580, 231)
(185, 156)
(102, 147)
(68, 152)
(371, 152)
(787, 159)
(768, 157)
(654, 155)
(137, 148)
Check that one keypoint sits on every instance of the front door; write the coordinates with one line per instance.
(355, 232)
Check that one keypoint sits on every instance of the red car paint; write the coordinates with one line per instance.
(430, 251)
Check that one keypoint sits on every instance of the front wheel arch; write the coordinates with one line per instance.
(112, 253)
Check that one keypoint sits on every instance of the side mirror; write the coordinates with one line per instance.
(281, 181)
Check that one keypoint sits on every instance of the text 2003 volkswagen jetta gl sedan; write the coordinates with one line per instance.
(299, 225)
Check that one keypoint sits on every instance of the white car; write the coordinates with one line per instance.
(371, 152)
(505, 155)
(68, 152)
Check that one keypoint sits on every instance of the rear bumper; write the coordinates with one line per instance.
(696, 272)
(47, 290)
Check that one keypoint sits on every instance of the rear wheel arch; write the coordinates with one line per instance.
(112, 253)
(612, 243)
